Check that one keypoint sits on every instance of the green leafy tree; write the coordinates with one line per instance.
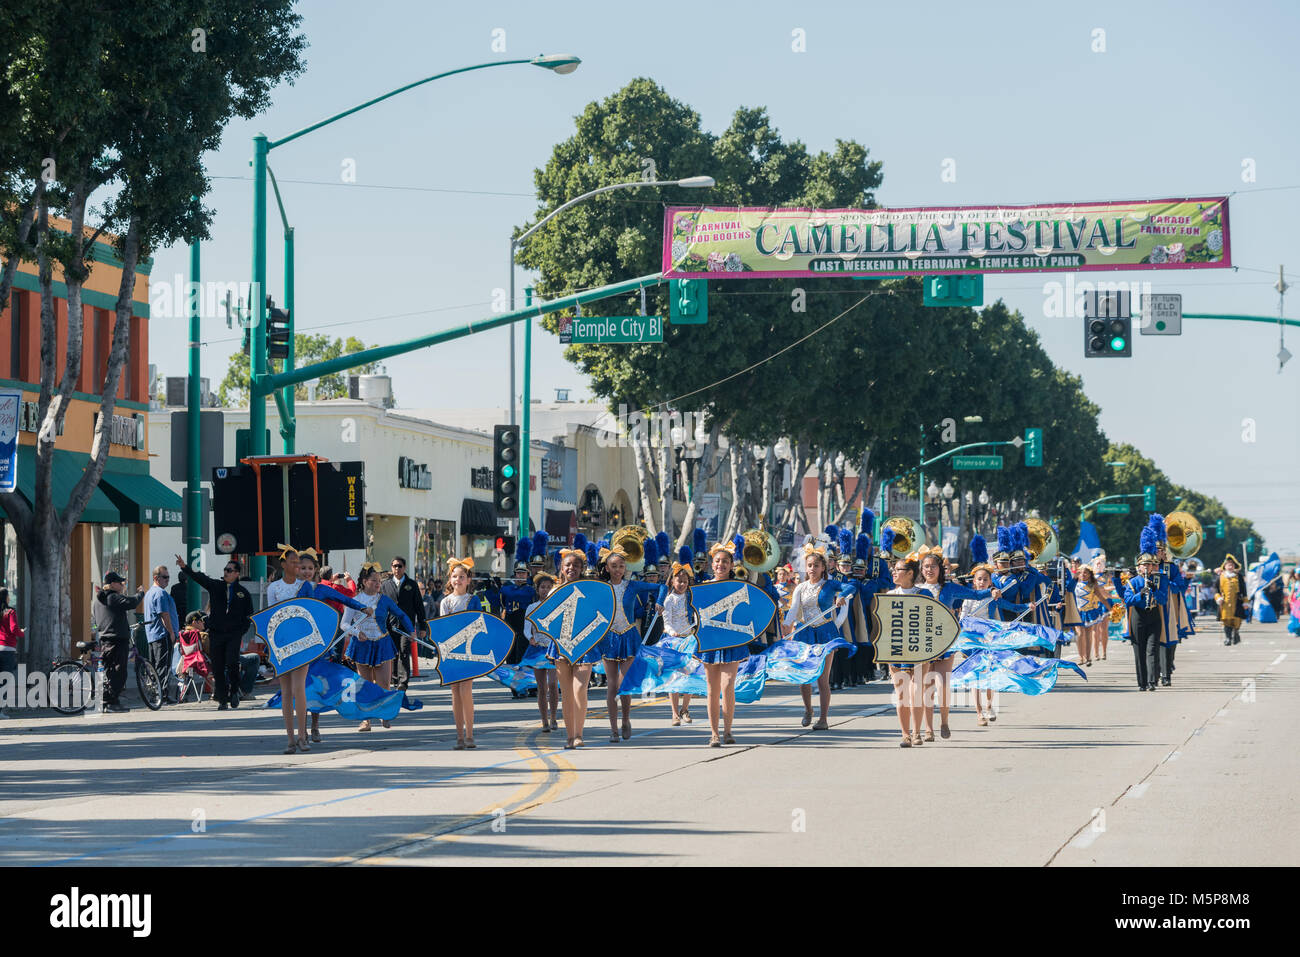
(113, 101)
(308, 349)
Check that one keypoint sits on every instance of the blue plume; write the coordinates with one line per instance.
(1005, 539)
(1020, 531)
(524, 550)
(684, 555)
(700, 542)
(862, 548)
(1156, 522)
(845, 541)
(593, 554)
(663, 545)
(887, 540)
(868, 522)
(831, 531)
(738, 547)
(607, 540)
(651, 552)
(580, 542)
(979, 550)
(541, 541)
(1147, 541)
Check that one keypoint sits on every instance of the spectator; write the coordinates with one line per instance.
(9, 635)
(161, 626)
(432, 598)
(231, 613)
(109, 613)
(401, 591)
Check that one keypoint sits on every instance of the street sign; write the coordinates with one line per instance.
(1033, 447)
(595, 330)
(968, 463)
(1162, 314)
(1113, 508)
(211, 443)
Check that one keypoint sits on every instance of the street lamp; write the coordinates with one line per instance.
(525, 437)
(556, 63)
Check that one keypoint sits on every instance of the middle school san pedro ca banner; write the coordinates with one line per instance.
(737, 242)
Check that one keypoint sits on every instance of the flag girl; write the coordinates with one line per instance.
(620, 645)
(298, 569)
(371, 648)
(573, 676)
(982, 580)
(813, 601)
(720, 666)
(458, 599)
(1094, 613)
(679, 625)
(904, 677)
(543, 671)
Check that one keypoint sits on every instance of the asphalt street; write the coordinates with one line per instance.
(1094, 773)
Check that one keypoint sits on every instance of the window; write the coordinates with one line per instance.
(435, 544)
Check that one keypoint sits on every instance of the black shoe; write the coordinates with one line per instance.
(222, 706)
(234, 699)
(116, 708)
(1165, 682)
(1227, 642)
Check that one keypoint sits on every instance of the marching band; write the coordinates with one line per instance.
(1020, 606)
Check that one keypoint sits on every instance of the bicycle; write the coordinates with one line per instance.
(77, 676)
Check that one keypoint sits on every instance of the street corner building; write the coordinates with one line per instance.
(113, 534)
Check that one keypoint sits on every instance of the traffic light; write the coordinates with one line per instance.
(279, 330)
(1149, 497)
(1219, 529)
(505, 470)
(1033, 447)
(688, 302)
(953, 290)
(1103, 338)
(1250, 544)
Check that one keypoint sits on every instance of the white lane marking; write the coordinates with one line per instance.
(1173, 756)
(1279, 659)
(1085, 838)
(1138, 790)
(870, 711)
(1222, 712)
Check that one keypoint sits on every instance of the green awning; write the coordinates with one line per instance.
(141, 498)
(64, 475)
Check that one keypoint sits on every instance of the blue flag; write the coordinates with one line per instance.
(296, 632)
(985, 633)
(731, 613)
(535, 658)
(517, 678)
(576, 616)
(657, 667)
(470, 644)
(332, 687)
(1089, 543)
(801, 663)
(1007, 671)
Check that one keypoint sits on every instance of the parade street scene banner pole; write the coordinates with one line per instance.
(737, 242)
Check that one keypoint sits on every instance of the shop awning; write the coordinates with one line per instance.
(478, 518)
(66, 471)
(141, 498)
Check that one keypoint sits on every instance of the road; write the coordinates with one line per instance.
(1094, 773)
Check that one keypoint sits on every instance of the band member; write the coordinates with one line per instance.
(537, 556)
(457, 599)
(906, 680)
(678, 617)
(1177, 627)
(700, 549)
(1145, 596)
(720, 666)
(372, 648)
(573, 676)
(982, 580)
(1024, 584)
(619, 647)
(934, 575)
(297, 571)
(1230, 596)
(1094, 612)
(843, 573)
(513, 599)
(543, 673)
(813, 605)
(664, 552)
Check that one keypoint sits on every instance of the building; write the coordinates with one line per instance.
(114, 531)
(428, 485)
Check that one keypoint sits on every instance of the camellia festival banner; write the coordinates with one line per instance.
(734, 242)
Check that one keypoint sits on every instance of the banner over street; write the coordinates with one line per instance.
(734, 242)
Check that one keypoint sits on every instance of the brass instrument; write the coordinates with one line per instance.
(761, 552)
(1043, 543)
(631, 540)
(1184, 533)
(908, 535)
(1149, 585)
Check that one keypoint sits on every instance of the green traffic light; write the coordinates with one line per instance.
(1117, 344)
(508, 471)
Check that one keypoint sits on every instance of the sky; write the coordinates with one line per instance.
(1027, 102)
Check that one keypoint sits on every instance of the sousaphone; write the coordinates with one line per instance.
(908, 536)
(632, 540)
(761, 552)
(1184, 534)
(1043, 543)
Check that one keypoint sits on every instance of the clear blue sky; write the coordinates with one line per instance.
(1013, 92)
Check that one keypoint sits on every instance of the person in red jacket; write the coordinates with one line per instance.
(9, 635)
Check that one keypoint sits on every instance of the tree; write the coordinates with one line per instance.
(118, 101)
(307, 349)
